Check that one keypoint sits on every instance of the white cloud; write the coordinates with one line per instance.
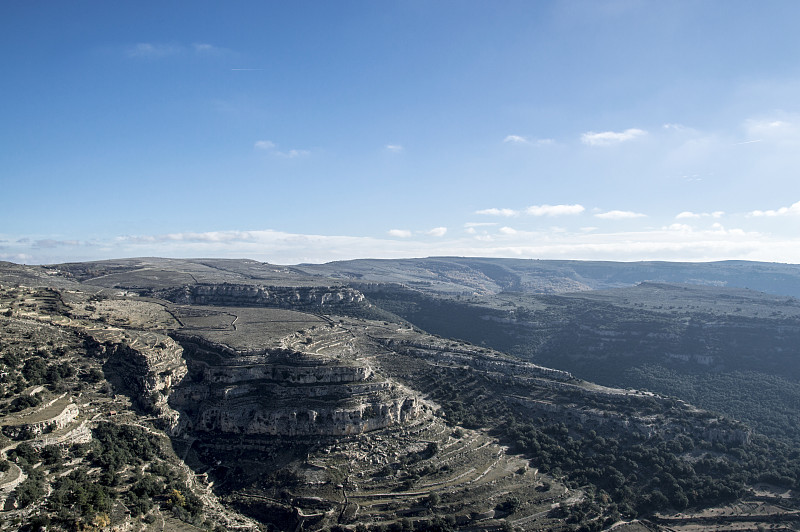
(669, 243)
(479, 224)
(394, 148)
(437, 231)
(768, 128)
(792, 210)
(264, 145)
(271, 147)
(518, 139)
(209, 49)
(679, 227)
(498, 212)
(607, 138)
(695, 215)
(677, 127)
(291, 154)
(554, 210)
(778, 131)
(619, 215)
(153, 50)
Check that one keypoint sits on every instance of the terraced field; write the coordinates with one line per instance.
(299, 404)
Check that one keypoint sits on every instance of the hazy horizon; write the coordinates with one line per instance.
(306, 133)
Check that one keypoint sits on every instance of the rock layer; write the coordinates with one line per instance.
(288, 393)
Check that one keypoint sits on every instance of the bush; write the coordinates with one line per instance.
(30, 491)
(24, 401)
(77, 495)
(510, 505)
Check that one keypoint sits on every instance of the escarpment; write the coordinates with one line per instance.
(308, 298)
(282, 392)
(146, 365)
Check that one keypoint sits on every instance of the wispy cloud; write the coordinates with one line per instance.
(498, 212)
(208, 49)
(608, 138)
(49, 243)
(677, 127)
(264, 145)
(783, 130)
(272, 148)
(619, 215)
(394, 148)
(536, 210)
(518, 139)
(154, 50)
(554, 210)
(291, 154)
(673, 242)
(755, 127)
(792, 210)
(437, 231)
(679, 227)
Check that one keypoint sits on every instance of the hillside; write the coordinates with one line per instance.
(237, 394)
(486, 276)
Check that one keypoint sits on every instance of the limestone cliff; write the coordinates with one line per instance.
(147, 365)
(312, 298)
(287, 393)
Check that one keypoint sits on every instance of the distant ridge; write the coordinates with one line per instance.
(492, 275)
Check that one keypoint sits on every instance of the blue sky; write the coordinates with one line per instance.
(312, 131)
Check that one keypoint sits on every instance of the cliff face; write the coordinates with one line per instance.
(297, 298)
(149, 365)
(285, 393)
(245, 417)
(287, 374)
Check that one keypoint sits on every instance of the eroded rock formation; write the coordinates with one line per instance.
(298, 298)
(288, 393)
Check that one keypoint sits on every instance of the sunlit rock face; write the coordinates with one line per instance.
(297, 298)
(286, 393)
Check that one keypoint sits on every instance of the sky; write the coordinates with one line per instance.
(311, 131)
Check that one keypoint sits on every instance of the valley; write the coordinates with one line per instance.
(219, 394)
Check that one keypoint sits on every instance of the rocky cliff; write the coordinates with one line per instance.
(312, 298)
(287, 393)
(147, 365)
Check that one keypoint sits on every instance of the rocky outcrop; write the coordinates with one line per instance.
(312, 298)
(305, 419)
(147, 365)
(66, 412)
(292, 375)
(288, 393)
(475, 359)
